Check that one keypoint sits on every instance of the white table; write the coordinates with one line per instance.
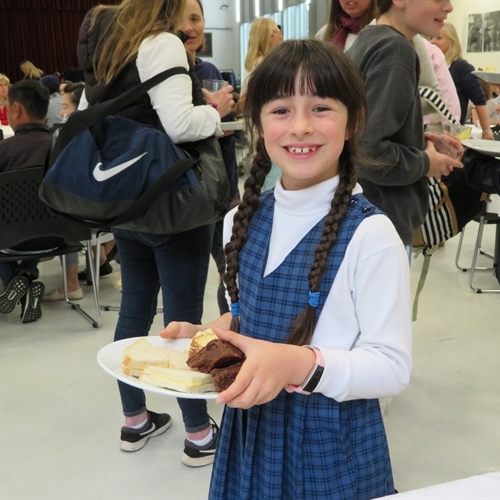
(485, 486)
(236, 125)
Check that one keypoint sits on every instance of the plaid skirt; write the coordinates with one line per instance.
(302, 448)
(297, 447)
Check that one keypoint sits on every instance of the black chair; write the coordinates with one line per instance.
(26, 222)
(484, 218)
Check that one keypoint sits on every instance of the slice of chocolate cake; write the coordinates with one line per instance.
(216, 354)
(222, 378)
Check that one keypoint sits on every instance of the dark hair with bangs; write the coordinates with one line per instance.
(325, 71)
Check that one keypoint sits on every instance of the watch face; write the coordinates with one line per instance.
(312, 382)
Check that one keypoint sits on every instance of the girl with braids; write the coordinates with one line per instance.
(319, 286)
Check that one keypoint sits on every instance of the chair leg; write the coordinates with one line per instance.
(473, 269)
(96, 323)
(480, 250)
(97, 266)
(459, 250)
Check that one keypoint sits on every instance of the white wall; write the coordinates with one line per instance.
(226, 42)
(459, 18)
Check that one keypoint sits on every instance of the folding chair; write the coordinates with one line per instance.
(25, 218)
(484, 218)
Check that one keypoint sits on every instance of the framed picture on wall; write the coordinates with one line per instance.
(475, 33)
(483, 32)
(491, 38)
(208, 49)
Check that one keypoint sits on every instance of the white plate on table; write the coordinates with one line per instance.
(110, 360)
(491, 148)
(237, 125)
(488, 76)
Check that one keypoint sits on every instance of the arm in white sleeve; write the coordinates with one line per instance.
(83, 104)
(172, 99)
(371, 310)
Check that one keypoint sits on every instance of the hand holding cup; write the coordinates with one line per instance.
(221, 95)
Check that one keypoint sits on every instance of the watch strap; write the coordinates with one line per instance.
(314, 376)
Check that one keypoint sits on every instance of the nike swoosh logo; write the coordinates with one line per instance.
(102, 175)
(149, 431)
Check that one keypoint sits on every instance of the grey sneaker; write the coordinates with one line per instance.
(198, 456)
(32, 307)
(135, 439)
(14, 291)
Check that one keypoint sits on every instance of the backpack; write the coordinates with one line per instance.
(453, 203)
(111, 171)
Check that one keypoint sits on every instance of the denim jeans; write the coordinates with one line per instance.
(10, 269)
(178, 265)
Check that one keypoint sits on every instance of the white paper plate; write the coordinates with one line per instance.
(110, 360)
(237, 125)
(491, 148)
(488, 76)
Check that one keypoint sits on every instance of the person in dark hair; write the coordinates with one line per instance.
(319, 286)
(71, 96)
(27, 105)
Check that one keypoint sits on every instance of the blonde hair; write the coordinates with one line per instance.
(30, 70)
(454, 51)
(4, 78)
(258, 41)
(132, 22)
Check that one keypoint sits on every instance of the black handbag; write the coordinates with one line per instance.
(482, 171)
(110, 171)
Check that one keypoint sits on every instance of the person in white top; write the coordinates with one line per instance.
(318, 281)
(130, 43)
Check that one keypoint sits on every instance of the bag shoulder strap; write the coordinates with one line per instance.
(436, 101)
(80, 121)
(112, 106)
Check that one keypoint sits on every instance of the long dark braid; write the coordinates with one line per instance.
(320, 69)
(249, 205)
(305, 323)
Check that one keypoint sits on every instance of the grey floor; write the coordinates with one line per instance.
(60, 414)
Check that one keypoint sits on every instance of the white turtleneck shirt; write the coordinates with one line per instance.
(364, 329)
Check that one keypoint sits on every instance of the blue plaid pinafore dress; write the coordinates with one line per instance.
(297, 447)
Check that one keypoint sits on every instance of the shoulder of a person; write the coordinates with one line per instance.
(161, 39)
(381, 37)
(381, 47)
(206, 67)
(462, 66)
(376, 233)
(322, 32)
(163, 50)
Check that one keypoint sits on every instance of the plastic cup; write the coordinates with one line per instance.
(461, 132)
(442, 145)
(214, 85)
